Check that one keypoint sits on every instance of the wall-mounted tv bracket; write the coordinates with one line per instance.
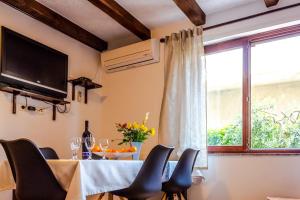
(86, 83)
(16, 92)
(14, 101)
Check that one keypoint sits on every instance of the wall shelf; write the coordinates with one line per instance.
(86, 83)
(18, 92)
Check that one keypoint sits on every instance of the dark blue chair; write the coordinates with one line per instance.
(49, 153)
(34, 178)
(149, 179)
(181, 179)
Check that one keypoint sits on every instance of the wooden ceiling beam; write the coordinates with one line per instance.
(270, 3)
(192, 10)
(123, 17)
(43, 14)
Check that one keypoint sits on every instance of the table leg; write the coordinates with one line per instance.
(164, 196)
(101, 196)
(110, 196)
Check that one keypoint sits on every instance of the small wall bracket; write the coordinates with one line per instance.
(86, 83)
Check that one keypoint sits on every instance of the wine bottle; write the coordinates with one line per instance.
(86, 133)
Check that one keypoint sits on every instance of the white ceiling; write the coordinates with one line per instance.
(214, 6)
(157, 13)
(89, 17)
(152, 13)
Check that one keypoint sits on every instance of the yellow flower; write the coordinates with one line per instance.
(152, 131)
(129, 126)
(144, 128)
(135, 125)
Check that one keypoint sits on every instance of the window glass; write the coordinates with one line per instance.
(224, 97)
(275, 93)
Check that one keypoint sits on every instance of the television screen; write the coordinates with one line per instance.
(30, 65)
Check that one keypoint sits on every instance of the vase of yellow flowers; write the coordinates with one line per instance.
(138, 146)
(135, 134)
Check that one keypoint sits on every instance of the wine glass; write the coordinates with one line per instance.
(104, 143)
(90, 143)
(75, 145)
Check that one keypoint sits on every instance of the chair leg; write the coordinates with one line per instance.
(184, 194)
(178, 195)
(14, 195)
(169, 196)
(136, 199)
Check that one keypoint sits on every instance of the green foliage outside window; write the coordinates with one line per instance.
(269, 130)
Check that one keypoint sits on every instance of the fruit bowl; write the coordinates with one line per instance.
(115, 155)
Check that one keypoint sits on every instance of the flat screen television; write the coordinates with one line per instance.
(32, 66)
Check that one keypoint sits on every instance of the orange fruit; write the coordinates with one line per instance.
(96, 149)
(133, 149)
(110, 150)
(122, 150)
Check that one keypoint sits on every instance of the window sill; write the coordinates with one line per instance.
(240, 151)
(252, 154)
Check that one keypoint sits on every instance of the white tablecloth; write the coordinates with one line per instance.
(87, 177)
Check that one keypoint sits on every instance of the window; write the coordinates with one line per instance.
(224, 97)
(275, 89)
(253, 93)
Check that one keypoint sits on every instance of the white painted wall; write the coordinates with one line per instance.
(83, 61)
(131, 93)
(243, 177)
(127, 95)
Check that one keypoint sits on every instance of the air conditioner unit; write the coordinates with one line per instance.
(134, 55)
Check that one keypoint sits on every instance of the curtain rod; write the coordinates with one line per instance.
(162, 40)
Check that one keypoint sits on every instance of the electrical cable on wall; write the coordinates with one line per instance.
(33, 108)
(59, 109)
(65, 109)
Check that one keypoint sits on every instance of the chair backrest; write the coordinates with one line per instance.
(34, 178)
(182, 174)
(49, 153)
(149, 178)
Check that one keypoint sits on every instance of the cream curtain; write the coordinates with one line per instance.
(183, 111)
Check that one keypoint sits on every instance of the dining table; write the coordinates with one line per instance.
(86, 178)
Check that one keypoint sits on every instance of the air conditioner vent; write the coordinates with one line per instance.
(134, 55)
